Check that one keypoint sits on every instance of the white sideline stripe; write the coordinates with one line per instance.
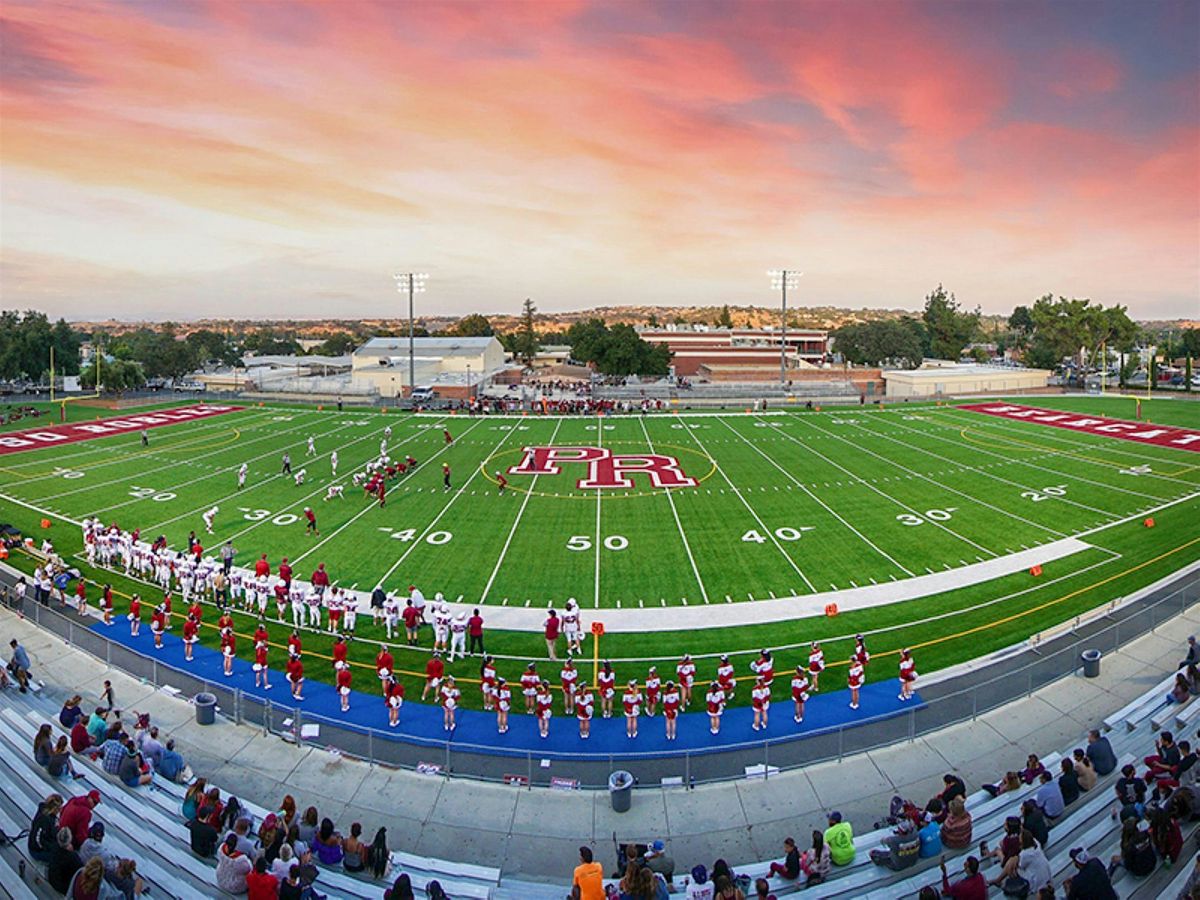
(678, 524)
(663, 414)
(521, 512)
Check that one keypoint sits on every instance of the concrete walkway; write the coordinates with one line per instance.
(535, 833)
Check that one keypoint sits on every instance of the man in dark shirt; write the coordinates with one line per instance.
(972, 886)
(1162, 763)
(1131, 791)
(203, 836)
(952, 787)
(1100, 752)
(1090, 881)
(1193, 653)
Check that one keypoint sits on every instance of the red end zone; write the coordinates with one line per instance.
(1141, 432)
(35, 438)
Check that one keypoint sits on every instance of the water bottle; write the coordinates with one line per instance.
(21, 869)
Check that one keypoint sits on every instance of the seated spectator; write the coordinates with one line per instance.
(1068, 783)
(201, 834)
(958, 826)
(88, 883)
(290, 887)
(900, 849)
(111, 754)
(43, 831)
(354, 850)
(232, 867)
(192, 797)
(283, 862)
(790, 867)
(216, 815)
(1181, 691)
(1131, 793)
(1159, 797)
(1028, 870)
(308, 825)
(328, 844)
(1090, 881)
(931, 839)
(762, 890)
(64, 861)
(1034, 822)
(97, 725)
(1193, 653)
(1191, 887)
(150, 746)
(70, 712)
(379, 857)
(270, 841)
(231, 813)
(94, 846)
(133, 770)
(1192, 674)
(260, 883)
(241, 836)
(839, 836)
(723, 888)
(816, 862)
(81, 740)
(1049, 798)
(76, 815)
(1085, 772)
(972, 886)
(1100, 752)
(587, 884)
(59, 764)
(953, 786)
(1010, 844)
(1161, 764)
(658, 862)
(126, 879)
(287, 812)
(1009, 783)
(1168, 839)
(170, 763)
(401, 888)
(1137, 851)
(42, 744)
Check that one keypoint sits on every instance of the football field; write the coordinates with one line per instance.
(730, 512)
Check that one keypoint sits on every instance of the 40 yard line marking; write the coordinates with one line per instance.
(678, 524)
(521, 512)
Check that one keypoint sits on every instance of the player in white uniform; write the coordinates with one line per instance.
(242, 475)
(262, 587)
(334, 490)
(208, 518)
(391, 614)
(312, 447)
(458, 636)
(333, 461)
(383, 447)
(299, 477)
(349, 611)
(312, 600)
(570, 626)
(296, 596)
(441, 622)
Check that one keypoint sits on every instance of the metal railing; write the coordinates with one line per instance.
(1053, 659)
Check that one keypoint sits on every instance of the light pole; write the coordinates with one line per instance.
(413, 283)
(781, 280)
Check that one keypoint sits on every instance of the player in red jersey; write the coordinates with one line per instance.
(261, 566)
(487, 683)
(295, 676)
(228, 649)
(569, 676)
(908, 674)
(501, 482)
(715, 702)
(260, 665)
(799, 693)
(670, 701)
(135, 615)
(653, 688)
(607, 684)
(385, 664)
(816, 665)
(854, 680)
(450, 697)
(685, 671)
(529, 687)
(191, 629)
(393, 693)
(503, 705)
(760, 698)
(381, 493)
(434, 670)
(545, 708)
(344, 680)
(632, 703)
(725, 677)
(447, 436)
(285, 572)
(585, 705)
(158, 626)
(311, 521)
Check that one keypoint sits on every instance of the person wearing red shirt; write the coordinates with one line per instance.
(503, 705)
(320, 578)
(81, 596)
(262, 567)
(384, 664)
(339, 653)
(632, 702)
(226, 621)
(311, 525)
(434, 670)
(295, 676)
(381, 493)
(108, 604)
(606, 681)
(76, 816)
(653, 687)
(157, 626)
(584, 706)
(260, 665)
(166, 606)
(197, 611)
(501, 482)
(344, 678)
(191, 628)
(446, 435)
(487, 683)
(295, 647)
(260, 883)
(715, 702)
(760, 699)
(685, 671)
(285, 572)
(260, 633)
(799, 693)
(671, 708)
(854, 680)
(475, 633)
(412, 622)
(228, 649)
(135, 615)
(393, 693)
(764, 667)
(545, 708)
(551, 627)
(529, 686)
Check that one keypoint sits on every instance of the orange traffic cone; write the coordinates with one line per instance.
(1036, 571)
(1149, 523)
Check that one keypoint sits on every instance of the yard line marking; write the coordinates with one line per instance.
(513, 530)
(474, 471)
(674, 512)
(599, 491)
(822, 503)
(737, 493)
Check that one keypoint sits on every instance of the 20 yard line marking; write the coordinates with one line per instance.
(521, 512)
(678, 524)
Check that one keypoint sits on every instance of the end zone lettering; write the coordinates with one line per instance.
(605, 468)
(16, 441)
(1142, 432)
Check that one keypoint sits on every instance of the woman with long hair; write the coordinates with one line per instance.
(42, 746)
(192, 797)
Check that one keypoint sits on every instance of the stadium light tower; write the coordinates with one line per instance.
(413, 283)
(781, 280)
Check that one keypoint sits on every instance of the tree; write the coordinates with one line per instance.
(268, 342)
(884, 342)
(115, 375)
(213, 345)
(525, 342)
(1067, 328)
(337, 344)
(949, 329)
(1190, 342)
(724, 320)
(619, 350)
(473, 325)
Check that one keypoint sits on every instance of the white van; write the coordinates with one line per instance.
(422, 394)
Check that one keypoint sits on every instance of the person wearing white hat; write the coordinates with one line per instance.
(458, 636)
(441, 623)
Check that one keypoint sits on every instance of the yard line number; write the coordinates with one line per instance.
(931, 515)
(784, 533)
(436, 538)
(584, 542)
(149, 493)
(1045, 493)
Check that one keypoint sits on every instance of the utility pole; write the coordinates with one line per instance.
(414, 283)
(781, 280)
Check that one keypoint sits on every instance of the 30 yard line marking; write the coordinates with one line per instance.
(521, 512)
(678, 524)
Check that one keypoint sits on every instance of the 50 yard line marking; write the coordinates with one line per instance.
(521, 512)
(599, 493)
(678, 524)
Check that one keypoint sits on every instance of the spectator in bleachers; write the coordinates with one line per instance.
(231, 813)
(972, 886)
(379, 857)
(700, 887)
(1090, 881)
(1192, 674)
(42, 746)
(70, 712)
(1158, 799)
(1010, 844)
(762, 890)
(134, 771)
(1068, 783)
(1100, 752)
(1085, 772)
(930, 835)
(586, 884)
(401, 888)
(192, 798)
(1191, 887)
(43, 830)
(900, 849)
(1131, 792)
(201, 834)
(790, 867)
(1009, 783)
(328, 844)
(126, 879)
(260, 883)
(18, 665)
(958, 827)
(97, 725)
(1180, 691)
(94, 846)
(270, 840)
(1162, 763)
(287, 812)
(170, 764)
(1193, 653)
(150, 746)
(840, 838)
(290, 887)
(1029, 869)
(232, 867)
(1168, 839)
(652, 889)
(76, 816)
(1034, 822)
(658, 862)
(81, 740)
(817, 861)
(354, 851)
(88, 884)
(64, 861)
(241, 836)
(953, 787)
(1049, 798)
(282, 864)
(111, 754)
(308, 826)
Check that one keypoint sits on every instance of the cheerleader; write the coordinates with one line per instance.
(584, 706)
(764, 667)
(190, 629)
(295, 647)
(166, 609)
(715, 701)
(670, 700)
(545, 708)
(653, 688)
(487, 683)
(568, 677)
(81, 597)
(860, 651)
(196, 611)
(799, 693)
(393, 693)
(450, 698)
(632, 703)
(135, 615)
(106, 600)
(225, 622)
(157, 626)
(260, 633)
(260, 665)
(685, 671)
(760, 698)
(503, 705)
(228, 649)
(908, 674)
(344, 679)
(816, 665)
(725, 677)
(295, 676)
(854, 680)
(607, 680)
(385, 663)
(529, 687)
(339, 652)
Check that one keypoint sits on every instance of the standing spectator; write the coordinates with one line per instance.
(18, 665)
(475, 633)
(790, 868)
(588, 880)
(232, 867)
(551, 627)
(1090, 881)
(261, 884)
(972, 886)
(1193, 653)
(1100, 752)
(840, 838)
(957, 829)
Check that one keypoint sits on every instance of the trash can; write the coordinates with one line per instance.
(1091, 663)
(206, 708)
(620, 789)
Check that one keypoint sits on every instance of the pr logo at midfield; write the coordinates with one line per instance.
(605, 468)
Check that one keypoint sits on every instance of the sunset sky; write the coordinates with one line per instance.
(179, 159)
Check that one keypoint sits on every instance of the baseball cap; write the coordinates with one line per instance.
(1080, 856)
(657, 846)
(94, 796)
(835, 816)
(97, 830)
(270, 821)
(700, 875)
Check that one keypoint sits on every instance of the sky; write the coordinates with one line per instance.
(181, 160)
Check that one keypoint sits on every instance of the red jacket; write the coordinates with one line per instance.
(76, 815)
(261, 886)
(262, 567)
